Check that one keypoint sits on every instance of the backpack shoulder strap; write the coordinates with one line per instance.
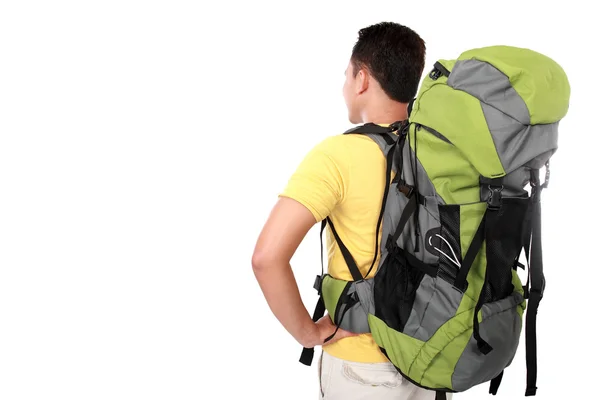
(384, 138)
(388, 143)
(381, 134)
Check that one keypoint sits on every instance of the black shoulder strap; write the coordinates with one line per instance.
(390, 139)
(388, 178)
(385, 132)
(356, 275)
(308, 353)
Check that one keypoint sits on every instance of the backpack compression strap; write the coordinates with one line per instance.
(486, 226)
(534, 287)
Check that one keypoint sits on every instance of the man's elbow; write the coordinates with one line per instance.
(261, 260)
(265, 259)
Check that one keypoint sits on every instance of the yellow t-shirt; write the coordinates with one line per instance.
(343, 177)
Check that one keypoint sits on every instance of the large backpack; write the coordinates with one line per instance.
(446, 303)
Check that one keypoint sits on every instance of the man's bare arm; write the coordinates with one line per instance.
(283, 232)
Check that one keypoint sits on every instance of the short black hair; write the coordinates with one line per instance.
(394, 54)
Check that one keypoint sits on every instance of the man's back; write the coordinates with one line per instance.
(343, 177)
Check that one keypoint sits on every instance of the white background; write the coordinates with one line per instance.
(142, 146)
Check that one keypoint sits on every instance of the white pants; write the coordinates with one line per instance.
(345, 380)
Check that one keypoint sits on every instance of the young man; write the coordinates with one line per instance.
(343, 178)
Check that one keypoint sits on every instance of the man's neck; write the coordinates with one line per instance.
(385, 113)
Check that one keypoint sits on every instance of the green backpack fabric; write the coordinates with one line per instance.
(446, 304)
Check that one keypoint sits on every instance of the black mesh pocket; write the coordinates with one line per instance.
(503, 246)
(395, 288)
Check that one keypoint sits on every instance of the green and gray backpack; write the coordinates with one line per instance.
(446, 303)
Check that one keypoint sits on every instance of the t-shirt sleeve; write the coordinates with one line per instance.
(318, 182)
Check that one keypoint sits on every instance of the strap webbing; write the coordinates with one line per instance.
(406, 214)
(356, 275)
(495, 383)
(390, 140)
(409, 260)
(526, 242)
(474, 247)
(536, 275)
(376, 129)
(486, 226)
(388, 177)
(348, 302)
(323, 225)
(531, 343)
(490, 218)
(308, 353)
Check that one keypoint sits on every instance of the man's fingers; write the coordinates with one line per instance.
(327, 328)
(342, 333)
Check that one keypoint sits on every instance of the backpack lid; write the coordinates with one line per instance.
(539, 81)
(499, 105)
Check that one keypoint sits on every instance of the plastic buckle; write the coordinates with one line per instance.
(435, 74)
(404, 128)
(395, 126)
(537, 292)
(318, 285)
(405, 189)
(400, 127)
(525, 292)
(495, 199)
(547, 177)
(389, 244)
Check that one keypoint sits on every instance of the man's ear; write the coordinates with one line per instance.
(362, 81)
